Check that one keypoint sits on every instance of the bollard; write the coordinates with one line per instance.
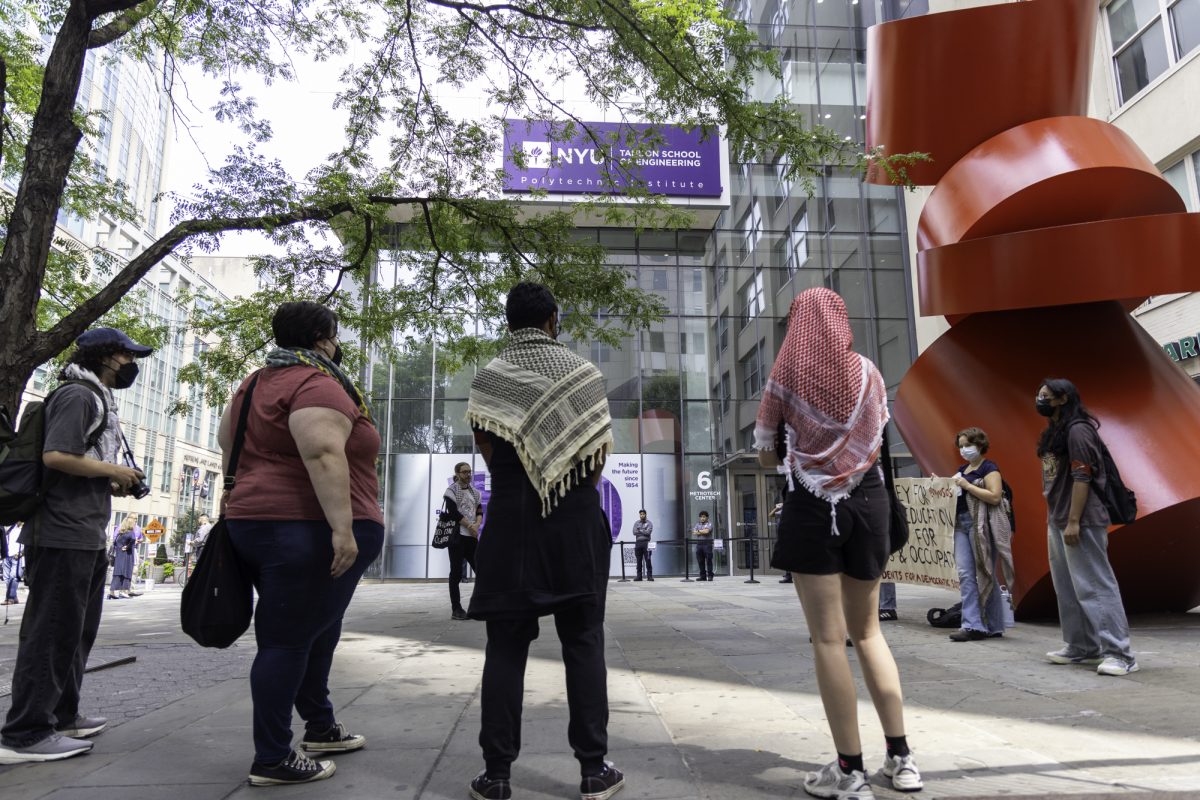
(753, 552)
(687, 578)
(623, 578)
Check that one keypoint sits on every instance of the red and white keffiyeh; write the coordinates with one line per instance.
(832, 400)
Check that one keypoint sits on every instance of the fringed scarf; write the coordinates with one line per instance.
(832, 400)
(300, 357)
(990, 526)
(551, 405)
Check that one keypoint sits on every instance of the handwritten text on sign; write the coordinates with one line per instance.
(928, 558)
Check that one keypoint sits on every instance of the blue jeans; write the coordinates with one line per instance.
(297, 622)
(1089, 599)
(887, 596)
(964, 558)
(12, 577)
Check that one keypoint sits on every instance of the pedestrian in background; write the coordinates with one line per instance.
(643, 531)
(541, 422)
(464, 505)
(1094, 626)
(702, 533)
(982, 536)
(834, 531)
(123, 549)
(304, 519)
(66, 550)
(11, 564)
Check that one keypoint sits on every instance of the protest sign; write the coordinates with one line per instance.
(928, 558)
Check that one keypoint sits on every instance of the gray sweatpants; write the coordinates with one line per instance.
(1089, 600)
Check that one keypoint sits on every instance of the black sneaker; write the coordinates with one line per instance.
(458, 613)
(485, 788)
(602, 786)
(296, 768)
(335, 740)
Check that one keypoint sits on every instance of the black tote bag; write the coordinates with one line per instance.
(898, 518)
(218, 600)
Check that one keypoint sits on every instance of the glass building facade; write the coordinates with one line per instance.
(684, 393)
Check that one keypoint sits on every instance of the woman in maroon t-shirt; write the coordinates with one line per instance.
(305, 520)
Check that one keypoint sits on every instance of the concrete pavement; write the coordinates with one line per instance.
(711, 691)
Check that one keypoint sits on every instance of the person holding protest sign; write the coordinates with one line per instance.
(982, 535)
(833, 531)
(1094, 626)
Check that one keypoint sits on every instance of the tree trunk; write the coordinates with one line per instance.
(53, 140)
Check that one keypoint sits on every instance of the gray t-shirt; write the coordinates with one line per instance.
(74, 514)
(1085, 464)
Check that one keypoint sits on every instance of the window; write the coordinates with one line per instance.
(1147, 37)
(752, 372)
(797, 255)
(754, 300)
(722, 333)
(168, 472)
(726, 395)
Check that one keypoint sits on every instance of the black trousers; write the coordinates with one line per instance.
(643, 553)
(704, 557)
(581, 630)
(66, 595)
(462, 550)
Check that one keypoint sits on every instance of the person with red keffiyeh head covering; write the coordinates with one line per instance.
(833, 528)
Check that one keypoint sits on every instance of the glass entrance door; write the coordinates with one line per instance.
(755, 495)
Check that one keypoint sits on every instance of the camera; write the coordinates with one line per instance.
(138, 489)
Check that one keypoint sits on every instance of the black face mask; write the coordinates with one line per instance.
(1044, 408)
(126, 374)
(337, 355)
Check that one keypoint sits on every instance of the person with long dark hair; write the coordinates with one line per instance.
(1094, 626)
(833, 530)
(304, 519)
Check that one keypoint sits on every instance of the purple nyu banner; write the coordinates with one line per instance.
(681, 166)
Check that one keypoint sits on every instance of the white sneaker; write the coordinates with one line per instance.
(833, 784)
(1112, 665)
(1067, 656)
(903, 772)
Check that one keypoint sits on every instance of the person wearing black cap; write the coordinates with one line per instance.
(65, 550)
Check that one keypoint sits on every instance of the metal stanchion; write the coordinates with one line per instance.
(753, 557)
(687, 578)
(623, 578)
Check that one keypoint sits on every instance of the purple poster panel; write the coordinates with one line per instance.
(683, 165)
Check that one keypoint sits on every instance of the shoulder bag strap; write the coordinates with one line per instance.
(239, 435)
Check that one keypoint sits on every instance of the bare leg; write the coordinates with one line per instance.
(860, 599)
(821, 599)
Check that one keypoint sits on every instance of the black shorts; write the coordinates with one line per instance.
(806, 542)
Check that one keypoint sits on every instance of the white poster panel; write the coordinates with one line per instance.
(928, 557)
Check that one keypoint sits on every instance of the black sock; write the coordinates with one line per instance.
(897, 746)
(849, 763)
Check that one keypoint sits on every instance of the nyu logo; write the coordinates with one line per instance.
(537, 154)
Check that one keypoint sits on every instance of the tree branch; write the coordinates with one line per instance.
(515, 9)
(107, 34)
(98, 8)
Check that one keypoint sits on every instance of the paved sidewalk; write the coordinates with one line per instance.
(711, 690)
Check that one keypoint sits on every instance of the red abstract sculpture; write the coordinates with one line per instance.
(1043, 229)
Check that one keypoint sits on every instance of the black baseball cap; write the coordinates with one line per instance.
(100, 336)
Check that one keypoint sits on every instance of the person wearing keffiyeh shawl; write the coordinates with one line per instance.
(833, 528)
(541, 421)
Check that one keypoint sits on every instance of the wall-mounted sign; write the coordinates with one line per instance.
(1188, 347)
(684, 164)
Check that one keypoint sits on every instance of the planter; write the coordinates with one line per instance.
(156, 573)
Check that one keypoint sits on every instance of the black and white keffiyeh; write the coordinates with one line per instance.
(550, 404)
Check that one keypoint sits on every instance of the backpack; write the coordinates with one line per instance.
(945, 617)
(1118, 499)
(22, 476)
